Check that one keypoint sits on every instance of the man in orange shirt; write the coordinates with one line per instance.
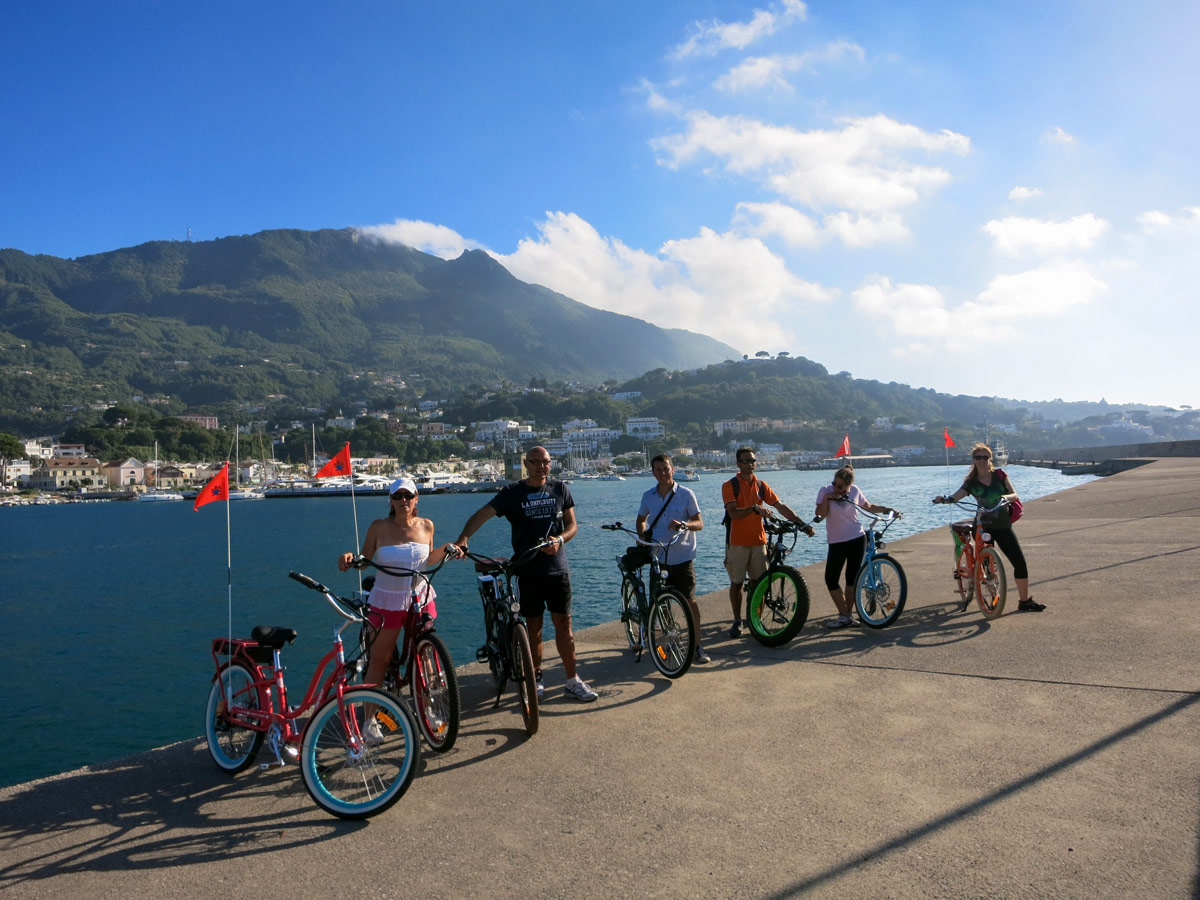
(746, 544)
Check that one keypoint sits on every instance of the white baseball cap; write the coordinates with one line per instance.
(403, 484)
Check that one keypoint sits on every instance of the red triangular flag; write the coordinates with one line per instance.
(339, 465)
(843, 450)
(216, 489)
(949, 441)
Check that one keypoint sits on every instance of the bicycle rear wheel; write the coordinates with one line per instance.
(880, 592)
(525, 677)
(435, 692)
(993, 583)
(630, 616)
(360, 776)
(671, 632)
(232, 744)
(778, 606)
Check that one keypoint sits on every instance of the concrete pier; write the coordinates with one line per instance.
(1039, 755)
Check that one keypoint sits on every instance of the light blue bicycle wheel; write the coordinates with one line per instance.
(880, 592)
(357, 778)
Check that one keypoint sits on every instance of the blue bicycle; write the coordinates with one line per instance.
(882, 587)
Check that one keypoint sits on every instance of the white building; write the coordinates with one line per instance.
(644, 427)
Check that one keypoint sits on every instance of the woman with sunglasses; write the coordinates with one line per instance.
(403, 540)
(989, 486)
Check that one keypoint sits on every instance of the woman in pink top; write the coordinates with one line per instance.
(847, 540)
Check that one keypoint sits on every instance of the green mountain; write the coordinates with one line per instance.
(315, 317)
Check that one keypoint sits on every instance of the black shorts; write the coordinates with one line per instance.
(538, 593)
(682, 577)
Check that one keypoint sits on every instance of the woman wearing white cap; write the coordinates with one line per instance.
(403, 541)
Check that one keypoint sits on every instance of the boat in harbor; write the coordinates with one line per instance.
(999, 452)
(156, 493)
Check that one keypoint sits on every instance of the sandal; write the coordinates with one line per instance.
(1030, 605)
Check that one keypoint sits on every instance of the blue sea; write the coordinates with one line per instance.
(110, 608)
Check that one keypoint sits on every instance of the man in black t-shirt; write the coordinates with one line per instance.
(540, 507)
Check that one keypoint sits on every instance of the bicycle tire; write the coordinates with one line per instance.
(879, 607)
(435, 693)
(358, 784)
(525, 676)
(671, 633)
(993, 583)
(778, 606)
(964, 576)
(631, 617)
(233, 746)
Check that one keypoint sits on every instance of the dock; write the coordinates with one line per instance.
(1038, 755)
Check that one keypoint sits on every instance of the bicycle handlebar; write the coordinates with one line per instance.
(340, 604)
(508, 564)
(651, 542)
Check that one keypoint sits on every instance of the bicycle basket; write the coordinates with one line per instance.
(636, 557)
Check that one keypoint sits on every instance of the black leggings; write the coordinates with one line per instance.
(1006, 540)
(848, 554)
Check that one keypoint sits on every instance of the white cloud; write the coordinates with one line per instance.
(728, 286)
(1156, 221)
(862, 168)
(1020, 192)
(865, 231)
(777, 220)
(424, 236)
(909, 310)
(1045, 291)
(1015, 235)
(710, 38)
(770, 72)
(1056, 135)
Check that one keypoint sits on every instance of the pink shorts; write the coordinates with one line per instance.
(395, 618)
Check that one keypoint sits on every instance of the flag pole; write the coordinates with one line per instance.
(229, 574)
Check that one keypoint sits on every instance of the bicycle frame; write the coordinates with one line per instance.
(657, 583)
(274, 715)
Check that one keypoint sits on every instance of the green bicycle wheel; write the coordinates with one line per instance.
(778, 606)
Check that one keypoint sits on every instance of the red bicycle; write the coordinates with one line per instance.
(357, 752)
(978, 571)
(420, 661)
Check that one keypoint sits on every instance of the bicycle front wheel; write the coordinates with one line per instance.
(880, 592)
(435, 693)
(231, 742)
(360, 776)
(992, 584)
(630, 616)
(525, 676)
(671, 632)
(778, 606)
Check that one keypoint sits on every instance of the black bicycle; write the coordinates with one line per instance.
(777, 607)
(507, 650)
(661, 619)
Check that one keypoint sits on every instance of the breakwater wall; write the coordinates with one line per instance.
(1105, 460)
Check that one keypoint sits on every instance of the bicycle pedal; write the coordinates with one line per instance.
(482, 654)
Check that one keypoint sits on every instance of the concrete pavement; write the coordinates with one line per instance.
(1038, 755)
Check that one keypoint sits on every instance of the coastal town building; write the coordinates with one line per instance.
(644, 427)
(124, 473)
(57, 474)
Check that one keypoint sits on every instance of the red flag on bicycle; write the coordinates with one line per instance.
(946, 439)
(843, 450)
(339, 465)
(216, 489)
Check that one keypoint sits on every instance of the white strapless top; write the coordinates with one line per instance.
(395, 591)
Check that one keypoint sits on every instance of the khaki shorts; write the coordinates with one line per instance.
(740, 560)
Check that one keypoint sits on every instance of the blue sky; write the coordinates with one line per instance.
(977, 198)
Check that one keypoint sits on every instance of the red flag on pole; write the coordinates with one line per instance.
(843, 450)
(216, 489)
(339, 465)
(949, 441)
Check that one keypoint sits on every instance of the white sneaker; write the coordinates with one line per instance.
(541, 690)
(580, 691)
(701, 655)
(373, 734)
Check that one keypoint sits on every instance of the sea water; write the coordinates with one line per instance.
(110, 608)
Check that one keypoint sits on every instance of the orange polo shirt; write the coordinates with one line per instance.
(747, 531)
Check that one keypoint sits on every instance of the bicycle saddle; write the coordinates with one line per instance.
(966, 527)
(272, 636)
